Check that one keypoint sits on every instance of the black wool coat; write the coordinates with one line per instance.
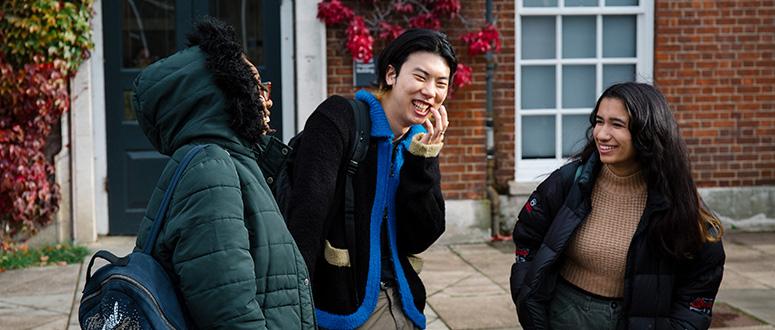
(316, 212)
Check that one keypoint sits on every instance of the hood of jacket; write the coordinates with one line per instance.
(177, 102)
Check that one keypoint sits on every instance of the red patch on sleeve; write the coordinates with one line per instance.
(529, 205)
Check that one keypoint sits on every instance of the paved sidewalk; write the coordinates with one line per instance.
(467, 287)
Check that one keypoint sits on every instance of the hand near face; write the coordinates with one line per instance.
(437, 128)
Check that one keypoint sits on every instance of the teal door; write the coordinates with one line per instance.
(138, 32)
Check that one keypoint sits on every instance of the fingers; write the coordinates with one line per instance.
(436, 128)
(429, 128)
(441, 121)
(444, 118)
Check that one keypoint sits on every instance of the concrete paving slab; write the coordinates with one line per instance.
(740, 252)
(30, 319)
(726, 316)
(57, 303)
(490, 261)
(767, 278)
(442, 268)
(476, 312)
(432, 320)
(474, 286)
(57, 324)
(118, 245)
(39, 280)
(735, 280)
(755, 302)
(762, 242)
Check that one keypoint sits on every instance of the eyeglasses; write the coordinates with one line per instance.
(265, 89)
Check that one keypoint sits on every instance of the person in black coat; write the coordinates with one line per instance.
(399, 208)
(619, 237)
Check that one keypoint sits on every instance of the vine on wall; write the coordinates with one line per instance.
(42, 44)
(385, 20)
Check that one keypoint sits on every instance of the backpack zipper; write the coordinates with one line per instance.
(137, 284)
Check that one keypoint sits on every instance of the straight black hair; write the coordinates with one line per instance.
(412, 41)
(662, 155)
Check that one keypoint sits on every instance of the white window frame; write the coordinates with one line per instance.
(531, 170)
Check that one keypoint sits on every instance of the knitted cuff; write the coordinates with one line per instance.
(420, 149)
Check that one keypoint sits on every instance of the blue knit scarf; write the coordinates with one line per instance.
(384, 198)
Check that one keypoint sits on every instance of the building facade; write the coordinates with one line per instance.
(712, 59)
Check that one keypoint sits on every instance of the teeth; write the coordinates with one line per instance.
(420, 105)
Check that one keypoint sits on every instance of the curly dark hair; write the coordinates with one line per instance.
(226, 62)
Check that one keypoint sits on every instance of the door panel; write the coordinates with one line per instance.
(136, 34)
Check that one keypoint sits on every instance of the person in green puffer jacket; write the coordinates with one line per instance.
(224, 243)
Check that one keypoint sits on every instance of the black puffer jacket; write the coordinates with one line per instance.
(659, 292)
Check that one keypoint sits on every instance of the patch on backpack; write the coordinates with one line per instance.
(119, 317)
(531, 203)
(701, 305)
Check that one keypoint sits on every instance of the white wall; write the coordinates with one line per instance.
(311, 84)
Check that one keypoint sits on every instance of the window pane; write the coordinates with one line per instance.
(148, 32)
(580, 3)
(615, 73)
(538, 87)
(540, 3)
(578, 86)
(619, 36)
(578, 36)
(538, 137)
(574, 130)
(538, 37)
(621, 2)
(246, 18)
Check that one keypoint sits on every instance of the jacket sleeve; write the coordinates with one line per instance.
(532, 224)
(419, 202)
(315, 172)
(696, 289)
(211, 257)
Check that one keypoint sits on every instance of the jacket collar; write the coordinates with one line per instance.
(380, 126)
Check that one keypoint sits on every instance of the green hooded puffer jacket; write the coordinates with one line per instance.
(224, 242)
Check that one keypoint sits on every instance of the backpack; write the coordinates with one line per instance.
(276, 162)
(135, 292)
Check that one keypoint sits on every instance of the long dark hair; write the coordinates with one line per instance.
(661, 153)
(232, 75)
(412, 41)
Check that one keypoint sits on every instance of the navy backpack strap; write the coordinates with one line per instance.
(110, 257)
(161, 213)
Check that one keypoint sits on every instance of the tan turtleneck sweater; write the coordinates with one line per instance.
(597, 253)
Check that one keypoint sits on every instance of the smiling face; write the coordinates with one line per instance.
(421, 83)
(264, 89)
(613, 138)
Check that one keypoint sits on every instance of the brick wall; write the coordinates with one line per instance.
(714, 62)
(463, 160)
(712, 59)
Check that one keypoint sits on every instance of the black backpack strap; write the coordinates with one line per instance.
(162, 212)
(359, 148)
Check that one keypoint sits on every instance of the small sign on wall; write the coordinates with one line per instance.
(364, 74)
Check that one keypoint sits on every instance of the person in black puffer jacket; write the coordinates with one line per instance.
(619, 237)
